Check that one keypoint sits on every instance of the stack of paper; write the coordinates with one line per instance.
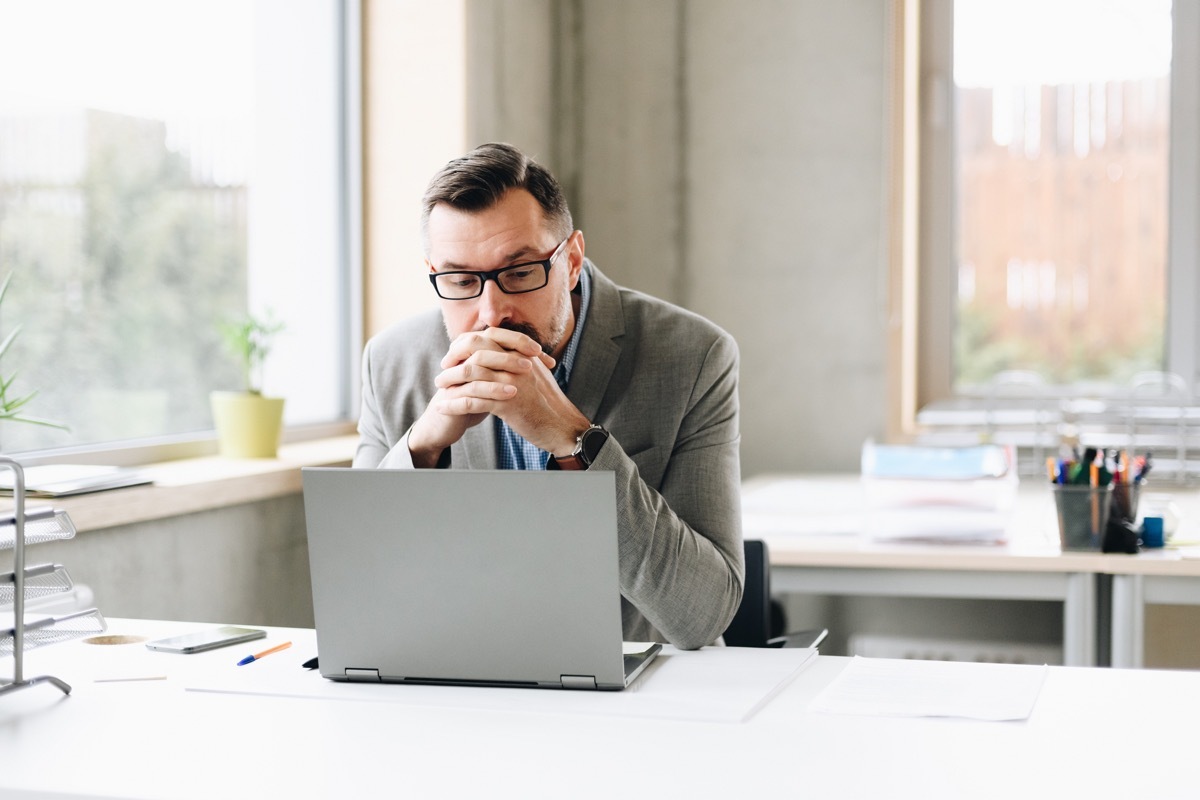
(939, 494)
(58, 480)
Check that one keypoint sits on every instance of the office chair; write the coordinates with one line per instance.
(760, 621)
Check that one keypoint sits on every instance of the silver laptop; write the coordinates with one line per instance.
(497, 578)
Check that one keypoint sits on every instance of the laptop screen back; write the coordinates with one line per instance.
(505, 577)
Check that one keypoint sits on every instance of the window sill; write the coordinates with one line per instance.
(190, 485)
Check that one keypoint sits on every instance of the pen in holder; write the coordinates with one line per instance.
(1082, 514)
(1125, 501)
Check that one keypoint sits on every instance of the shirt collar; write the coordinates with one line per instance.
(562, 373)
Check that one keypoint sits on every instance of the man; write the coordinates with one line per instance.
(538, 361)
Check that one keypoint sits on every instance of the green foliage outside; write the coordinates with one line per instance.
(12, 409)
(980, 352)
(130, 264)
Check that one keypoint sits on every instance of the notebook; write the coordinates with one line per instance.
(495, 578)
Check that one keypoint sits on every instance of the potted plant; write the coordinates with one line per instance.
(248, 424)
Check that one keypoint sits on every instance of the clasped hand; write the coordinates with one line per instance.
(501, 372)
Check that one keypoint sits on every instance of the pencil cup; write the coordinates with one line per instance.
(1082, 515)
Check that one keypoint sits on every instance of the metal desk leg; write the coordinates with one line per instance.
(1103, 620)
(1079, 621)
(1128, 621)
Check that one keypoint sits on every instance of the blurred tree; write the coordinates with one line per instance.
(134, 264)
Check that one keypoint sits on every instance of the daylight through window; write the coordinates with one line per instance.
(1061, 164)
(165, 166)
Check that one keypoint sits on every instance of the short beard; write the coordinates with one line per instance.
(532, 333)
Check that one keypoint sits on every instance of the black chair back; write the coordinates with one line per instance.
(751, 625)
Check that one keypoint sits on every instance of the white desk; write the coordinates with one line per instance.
(817, 546)
(1094, 733)
(793, 515)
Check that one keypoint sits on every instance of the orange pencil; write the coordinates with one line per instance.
(1094, 482)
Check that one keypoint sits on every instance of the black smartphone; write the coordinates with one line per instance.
(206, 639)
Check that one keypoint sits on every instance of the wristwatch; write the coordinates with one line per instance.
(587, 447)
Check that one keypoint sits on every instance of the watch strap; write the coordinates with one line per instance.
(585, 450)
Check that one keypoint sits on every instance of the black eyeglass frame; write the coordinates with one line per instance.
(494, 275)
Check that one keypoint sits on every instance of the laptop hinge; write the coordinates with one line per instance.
(371, 675)
(578, 681)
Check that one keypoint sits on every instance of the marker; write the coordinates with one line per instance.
(268, 652)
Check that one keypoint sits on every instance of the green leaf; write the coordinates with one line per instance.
(37, 421)
(9, 408)
(9, 340)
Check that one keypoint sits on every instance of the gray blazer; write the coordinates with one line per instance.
(663, 381)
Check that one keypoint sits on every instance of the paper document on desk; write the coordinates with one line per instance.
(899, 688)
(61, 480)
(714, 684)
(802, 506)
(939, 495)
(935, 524)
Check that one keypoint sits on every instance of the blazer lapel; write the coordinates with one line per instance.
(600, 348)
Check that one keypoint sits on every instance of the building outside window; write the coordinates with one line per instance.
(1058, 256)
(1061, 148)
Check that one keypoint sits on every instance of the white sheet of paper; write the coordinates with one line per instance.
(803, 507)
(895, 687)
(715, 684)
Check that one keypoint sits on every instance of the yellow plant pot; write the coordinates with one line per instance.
(248, 425)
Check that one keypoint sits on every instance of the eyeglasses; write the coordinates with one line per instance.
(517, 279)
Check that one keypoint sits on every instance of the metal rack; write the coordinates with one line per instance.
(1156, 412)
(18, 529)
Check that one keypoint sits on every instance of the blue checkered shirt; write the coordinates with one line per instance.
(512, 451)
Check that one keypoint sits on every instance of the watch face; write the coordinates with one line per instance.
(593, 440)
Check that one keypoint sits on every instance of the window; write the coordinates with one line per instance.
(165, 165)
(1058, 202)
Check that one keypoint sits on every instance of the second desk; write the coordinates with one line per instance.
(814, 527)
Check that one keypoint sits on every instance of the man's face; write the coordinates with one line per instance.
(512, 231)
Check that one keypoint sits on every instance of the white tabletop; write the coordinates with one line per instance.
(824, 520)
(1093, 733)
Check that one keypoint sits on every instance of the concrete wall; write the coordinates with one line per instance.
(246, 563)
(728, 157)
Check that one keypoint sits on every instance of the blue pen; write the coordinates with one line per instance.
(268, 652)
(1143, 468)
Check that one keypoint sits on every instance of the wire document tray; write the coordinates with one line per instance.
(43, 580)
(41, 525)
(52, 630)
(18, 528)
